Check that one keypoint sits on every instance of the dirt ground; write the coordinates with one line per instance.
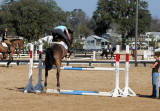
(15, 78)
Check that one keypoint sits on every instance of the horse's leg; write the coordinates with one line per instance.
(102, 55)
(45, 82)
(10, 59)
(106, 56)
(58, 76)
(70, 54)
(4, 56)
(111, 55)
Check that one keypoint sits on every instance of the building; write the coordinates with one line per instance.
(155, 35)
(94, 42)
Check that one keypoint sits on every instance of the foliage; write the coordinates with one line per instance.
(121, 12)
(152, 43)
(46, 44)
(77, 45)
(119, 42)
(79, 22)
(31, 18)
(155, 25)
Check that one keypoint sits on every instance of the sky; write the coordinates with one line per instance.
(88, 6)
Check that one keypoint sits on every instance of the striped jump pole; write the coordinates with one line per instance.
(30, 87)
(117, 91)
(126, 90)
(83, 68)
(77, 92)
(39, 86)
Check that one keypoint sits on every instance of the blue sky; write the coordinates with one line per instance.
(88, 6)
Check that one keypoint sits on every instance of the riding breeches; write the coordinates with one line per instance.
(59, 32)
(7, 42)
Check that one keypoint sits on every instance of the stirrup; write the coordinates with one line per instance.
(8, 51)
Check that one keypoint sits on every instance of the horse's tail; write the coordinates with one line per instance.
(49, 60)
(102, 54)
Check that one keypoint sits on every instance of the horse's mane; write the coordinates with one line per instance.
(15, 40)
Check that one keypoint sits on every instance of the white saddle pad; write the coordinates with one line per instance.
(62, 43)
(4, 44)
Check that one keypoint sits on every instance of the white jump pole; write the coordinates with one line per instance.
(94, 55)
(39, 86)
(127, 91)
(117, 91)
(36, 54)
(30, 87)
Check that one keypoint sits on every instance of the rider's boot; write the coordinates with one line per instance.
(68, 44)
(9, 51)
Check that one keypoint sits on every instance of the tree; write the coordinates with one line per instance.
(31, 18)
(79, 22)
(155, 25)
(121, 12)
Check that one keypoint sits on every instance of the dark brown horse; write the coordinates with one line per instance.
(4, 49)
(54, 56)
(106, 52)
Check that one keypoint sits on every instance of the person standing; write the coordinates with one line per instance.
(110, 47)
(6, 40)
(155, 75)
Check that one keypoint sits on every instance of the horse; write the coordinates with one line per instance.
(14, 43)
(133, 53)
(19, 47)
(54, 55)
(106, 52)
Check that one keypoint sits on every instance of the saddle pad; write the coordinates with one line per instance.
(62, 43)
(4, 44)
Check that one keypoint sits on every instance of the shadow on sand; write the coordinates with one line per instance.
(147, 96)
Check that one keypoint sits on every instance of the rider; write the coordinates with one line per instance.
(110, 47)
(6, 40)
(59, 30)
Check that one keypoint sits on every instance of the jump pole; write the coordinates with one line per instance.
(94, 55)
(117, 91)
(39, 86)
(30, 87)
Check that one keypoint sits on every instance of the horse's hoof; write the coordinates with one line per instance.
(45, 84)
(45, 89)
(58, 89)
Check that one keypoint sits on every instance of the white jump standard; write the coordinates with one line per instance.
(117, 91)
(126, 90)
(30, 87)
(39, 86)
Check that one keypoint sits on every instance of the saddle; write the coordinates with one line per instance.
(4, 44)
(61, 43)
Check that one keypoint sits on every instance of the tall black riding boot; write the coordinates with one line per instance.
(9, 51)
(68, 44)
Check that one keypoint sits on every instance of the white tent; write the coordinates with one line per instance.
(46, 39)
